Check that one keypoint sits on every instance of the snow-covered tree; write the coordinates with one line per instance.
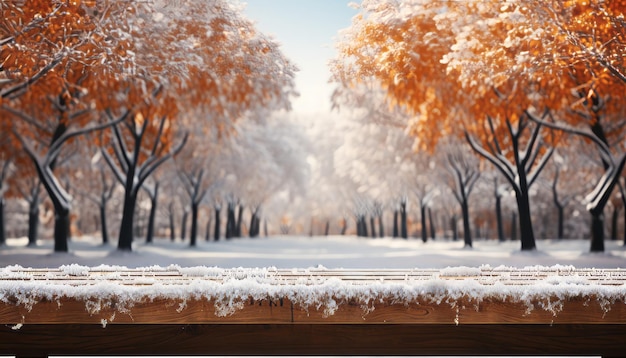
(411, 48)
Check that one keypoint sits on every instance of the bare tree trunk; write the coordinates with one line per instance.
(183, 227)
(239, 219)
(597, 232)
(254, 223)
(513, 226)
(218, 223)
(33, 221)
(172, 224)
(104, 230)
(207, 232)
(614, 218)
(403, 223)
(153, 209)
(193, 237)
(467, 233)
(3, 236)
(499, 222)
(125, 240)
(230, 221)
(395, 224)
(431, 224)
(453, 227)
(423, 218)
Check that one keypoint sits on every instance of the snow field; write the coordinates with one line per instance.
(330, 251)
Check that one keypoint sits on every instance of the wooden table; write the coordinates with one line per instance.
(76, 310)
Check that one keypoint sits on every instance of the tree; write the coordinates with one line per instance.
(587, 46)
(57, 57)
(464, 171)
(262, 161)
(375, 144)
(27, 183)
(152, 189)
(6, 158)
(419, 52)
(112, 63)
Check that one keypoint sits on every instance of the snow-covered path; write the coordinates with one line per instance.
(330, 252)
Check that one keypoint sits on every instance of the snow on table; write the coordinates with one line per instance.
(174, 294)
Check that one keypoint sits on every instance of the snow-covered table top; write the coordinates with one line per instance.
(457, 295)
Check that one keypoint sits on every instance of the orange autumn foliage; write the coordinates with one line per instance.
(455, 63)
(114, 55)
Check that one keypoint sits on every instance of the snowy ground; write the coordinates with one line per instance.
(330, 252)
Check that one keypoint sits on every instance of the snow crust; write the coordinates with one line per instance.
(314, 288)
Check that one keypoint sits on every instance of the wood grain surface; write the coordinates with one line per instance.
(494, 325)
(66, 311)
(313, 339)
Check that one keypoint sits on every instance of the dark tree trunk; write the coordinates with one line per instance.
(455, 231)
(624, 214)
(138, 223)
(151, 219)
(230, 221)
(257, 225)
(403, 225)
(104, 230)
(395, 224)
(614, 218)
(253, 219)
(239, 219)
(327, 228)
(597, 232)
(513, 226)
(265, 228)
(381, 227)
(499, 222)
(183, 225)
(125, 241)
(560, 222)
(61, 229)
(61, 218)
(3, 236)
(373, 226)
(128, 172)
(193, 235)
(361, 226)
(172, 223)
(344, 226)
(525, 222)
(218, 224)
(431, 224)
(254, 224)
(423, 218)
(467, 233)
(33, 222)
(559, 207)
(207, 232)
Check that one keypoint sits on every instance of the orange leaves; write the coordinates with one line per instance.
(459, 63)
(76, 59)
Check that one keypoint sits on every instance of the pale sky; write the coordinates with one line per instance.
(306, 29)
